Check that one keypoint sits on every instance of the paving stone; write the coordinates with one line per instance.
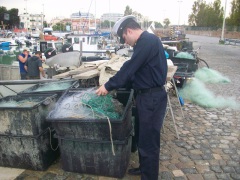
(228, 169)
(189, 170)
(233, 163)
(216, 169)
(194, 177)
(172, 167)
(207, 156)
(209, 176)
(165, 157)
(229, 151)
(177, 173)
(195, 157)
(184, 159)
(235, 176)
(166, 175)
(223, 176)
(180, 178)
(217, 156)
(237, 169)
(184, 153)
(202, 168)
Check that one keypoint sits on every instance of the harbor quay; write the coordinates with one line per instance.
(208, 147)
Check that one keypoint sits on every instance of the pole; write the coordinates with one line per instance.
(95, 17)
(110, 17)
(179, 14)
(223, 26)
(43, 17)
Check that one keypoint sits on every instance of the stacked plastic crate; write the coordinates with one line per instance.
(85, 144)
(26, 138)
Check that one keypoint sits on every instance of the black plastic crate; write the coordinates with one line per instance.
(192, 66)
(29, 152)
(56, 87)
(93, 129)
(25, 114)
(95, 157)
(181, 67)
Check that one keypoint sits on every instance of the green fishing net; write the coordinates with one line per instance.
(86, 104)
(102, 105)
(195, 90)
(210, 76)
(185, 55)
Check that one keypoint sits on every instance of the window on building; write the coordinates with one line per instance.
(76, 40)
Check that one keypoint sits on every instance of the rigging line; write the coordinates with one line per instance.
(88, 13)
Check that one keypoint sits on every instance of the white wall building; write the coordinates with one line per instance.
(113, 17)
(31, 21)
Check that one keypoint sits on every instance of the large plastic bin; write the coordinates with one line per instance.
(192, 66)
(93, 129)
(29, 152)
(57, 87)
(95, 157)
(25, 114)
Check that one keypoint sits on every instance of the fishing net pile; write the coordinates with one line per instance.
(195, 90)
(85, 104)
(185, 55)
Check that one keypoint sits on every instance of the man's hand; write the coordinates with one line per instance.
(101, 91)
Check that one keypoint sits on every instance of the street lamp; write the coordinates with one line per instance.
(223, 26)
(43, 17)
(179, 14)
(110, 18)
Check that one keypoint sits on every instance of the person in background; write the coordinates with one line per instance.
(34, 66)
(22, 58)
(146, 71)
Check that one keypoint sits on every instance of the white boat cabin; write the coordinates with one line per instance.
(87, 43)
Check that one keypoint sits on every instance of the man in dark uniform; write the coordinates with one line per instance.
(146, 71)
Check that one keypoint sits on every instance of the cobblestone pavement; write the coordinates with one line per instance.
(209, 143)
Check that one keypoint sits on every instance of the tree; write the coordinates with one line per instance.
(158, 25)
(13, 17)
(234, 19)
(128, 11)
(59, 27)
(166, 22)
(197, 15)
(206, 15)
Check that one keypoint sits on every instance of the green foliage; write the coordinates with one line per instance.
(166, 22)
(59, 27)
(106, 24)
(158, 25)
(206, 15)
(13, 15)
(234, 19)
(128, 11)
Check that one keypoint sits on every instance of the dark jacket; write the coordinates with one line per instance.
(147, 67)
(33, 65)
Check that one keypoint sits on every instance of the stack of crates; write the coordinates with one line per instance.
(85, 144)
(26, 138)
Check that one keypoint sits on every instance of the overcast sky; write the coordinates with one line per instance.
(176, 10)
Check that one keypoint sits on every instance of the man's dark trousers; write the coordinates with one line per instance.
(151, 108)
